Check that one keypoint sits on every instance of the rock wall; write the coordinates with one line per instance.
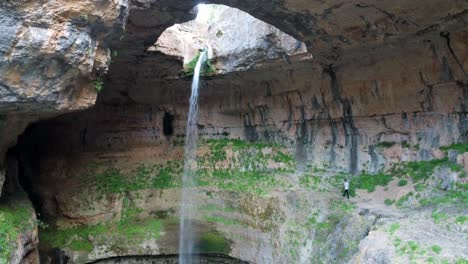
(49, 53)
(388, 85)
(391, 106)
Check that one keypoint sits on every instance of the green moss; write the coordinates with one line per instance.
(436, 249)
(247, 170)
(112, 180)
(213, 243)
(82, 238)
(220, 219)
(14, 219)
(244, 181)
(76, 238)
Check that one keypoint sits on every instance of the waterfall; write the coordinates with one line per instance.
(186, 236)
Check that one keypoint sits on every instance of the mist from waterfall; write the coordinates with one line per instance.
(188, 203)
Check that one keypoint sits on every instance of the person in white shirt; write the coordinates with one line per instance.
(346, 188)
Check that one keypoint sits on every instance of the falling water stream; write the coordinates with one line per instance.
(186, 236)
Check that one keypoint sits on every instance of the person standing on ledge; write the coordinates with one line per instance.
(346, 188)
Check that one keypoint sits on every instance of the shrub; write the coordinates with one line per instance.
(393, 228)
(208, 68)
(13, 221)
(403, 199)
(461, 219)
(421, 170)
(402, 182)
(389, 202)
(98, 84)
(438, 216)
(436, 249)
(385, 144)
(460, 147)
(213, 243)
(369, 181)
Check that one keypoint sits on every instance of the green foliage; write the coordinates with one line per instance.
(213, 243)
(167, 176)
(244, 181)
(14, 219)
(402, 182)
(461, 261)
(439, 216)
(436, 249)
(419, 187)
(98, 84)
(385, 144)
(283, 158)
(82, 238)
(220, 219)
(421, 170)
(458, 197)
(310, 181)
(369, 182)
(143, 177)
(248, 170)
(208, 68)
(393, 228)
(342, 206)
(403, 200)
(460, 147)
(389, 202)
(110, 181)
(76, 238)
(461, 219)
(413, 246)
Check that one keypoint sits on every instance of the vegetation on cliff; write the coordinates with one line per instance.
(16, 218)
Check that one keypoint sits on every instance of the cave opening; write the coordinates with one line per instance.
(168, 124)
(235, 41)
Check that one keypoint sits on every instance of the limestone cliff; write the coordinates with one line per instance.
(383, 102)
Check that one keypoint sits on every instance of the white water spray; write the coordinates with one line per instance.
(187, 236)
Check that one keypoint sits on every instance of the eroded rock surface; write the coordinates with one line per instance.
(386, 89)
(234, 39)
